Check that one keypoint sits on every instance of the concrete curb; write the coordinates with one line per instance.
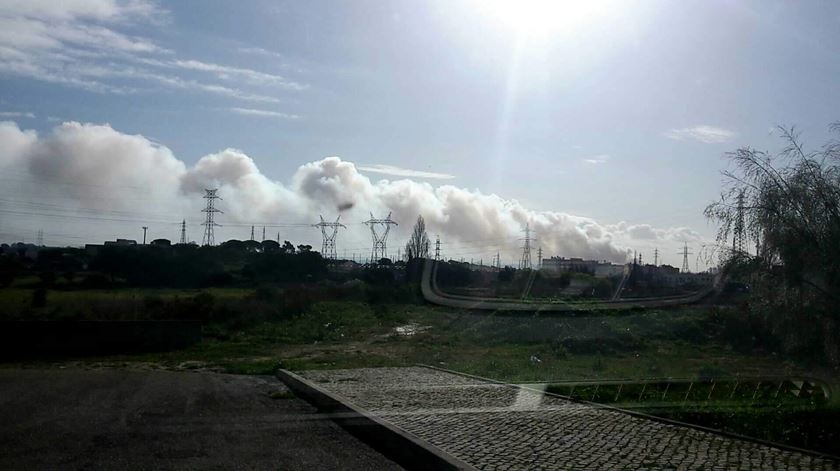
(736, 436)
(398, 445)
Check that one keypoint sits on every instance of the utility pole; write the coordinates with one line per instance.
(685, 253)
(380, 239)
(145, 228)
(263, 239)
(437, 248)
(183, 232)
(209, 222)
(329, 230)
(525, 262)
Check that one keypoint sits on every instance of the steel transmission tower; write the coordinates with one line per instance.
(380, 249)
(738, 235)
(656, 257)
(525, 262)
(437, 248)
(329, 230)
(539, 258)
(209, 222)
(685, 253)
(252, 232)
(183, 231)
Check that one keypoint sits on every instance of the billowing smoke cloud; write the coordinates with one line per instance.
(129, 179)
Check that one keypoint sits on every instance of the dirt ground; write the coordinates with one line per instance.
(119, 419)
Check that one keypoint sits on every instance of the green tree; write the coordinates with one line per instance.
(418, 243)
(789, 203)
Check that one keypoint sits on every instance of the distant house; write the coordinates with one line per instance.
(598, 268)
(121, 242)
(562, 264)
(93, 249)
(608, 270)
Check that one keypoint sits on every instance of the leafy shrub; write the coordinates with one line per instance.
(39, 298)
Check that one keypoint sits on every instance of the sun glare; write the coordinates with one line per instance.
(544, 17)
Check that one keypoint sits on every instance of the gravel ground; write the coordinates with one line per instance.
(118, 419)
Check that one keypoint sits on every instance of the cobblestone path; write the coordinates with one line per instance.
(495, 426)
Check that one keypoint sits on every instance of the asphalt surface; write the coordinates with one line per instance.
(118, 419)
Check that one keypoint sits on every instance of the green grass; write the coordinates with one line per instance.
(344, 334)
(518, 349)
(672, 343)
(123, 303)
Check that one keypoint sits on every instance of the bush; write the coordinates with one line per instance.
(39, 298)
(266, 293)
(47, 278)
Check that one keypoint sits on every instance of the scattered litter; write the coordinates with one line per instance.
(410, 329)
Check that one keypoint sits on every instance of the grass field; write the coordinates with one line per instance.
(341, 334)
(675, 343)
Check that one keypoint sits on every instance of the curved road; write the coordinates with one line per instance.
(433, 294)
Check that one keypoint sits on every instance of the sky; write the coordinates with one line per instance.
(601, 125)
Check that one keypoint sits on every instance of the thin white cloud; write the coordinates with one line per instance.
(16, 114)
(702, 133)
(263, 113)
(260, 52)
(224, 72)
(596, 159)
(403, 172)
(83, 44)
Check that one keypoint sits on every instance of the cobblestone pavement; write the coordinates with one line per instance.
(495, 426)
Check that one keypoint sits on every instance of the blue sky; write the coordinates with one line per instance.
(622, 115)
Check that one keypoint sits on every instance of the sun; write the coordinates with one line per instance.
(545, 17)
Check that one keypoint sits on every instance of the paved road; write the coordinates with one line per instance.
(493, 426)
(433, 294)
(115, 419)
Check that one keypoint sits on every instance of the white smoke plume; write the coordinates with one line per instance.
(112, 182)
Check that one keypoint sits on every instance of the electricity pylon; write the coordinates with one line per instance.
(738, 231)
(685, 253)
(380, 249)
(329, 230)
(183, 232)
(209, 222)
(525, 262)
